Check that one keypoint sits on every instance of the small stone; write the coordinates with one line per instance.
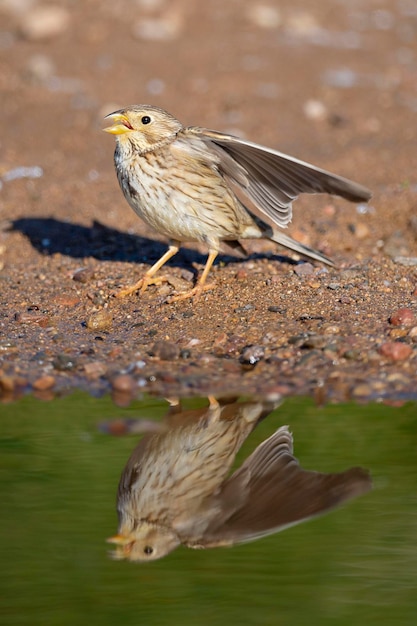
(331, 330)
(165, 28)
(264, 15)
(315, 342)
(7, 383)
(333, 286)
(43, 383)
(277, 309)
(241, 274)
(40, 68)
(101, 320)
(395, 350)
(396, 245)
(315, 110)
(123, 383)
(408, 261)
(398, 332)
(83, 275)
(66, 300)
(44, 22)
(304, 269)
(251, 355)
(64, 362)
(165, 350)
(413, 333)
(32, 317)
(95, 369)
(361, 231)
(403, 317)
(363, 390)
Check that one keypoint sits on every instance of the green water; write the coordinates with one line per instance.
(59, 475)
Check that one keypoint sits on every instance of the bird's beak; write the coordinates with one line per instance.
(121, 125)
(119, 540)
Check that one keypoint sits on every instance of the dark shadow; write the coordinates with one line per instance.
(49, 236)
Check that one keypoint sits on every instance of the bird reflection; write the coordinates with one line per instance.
(176, 488)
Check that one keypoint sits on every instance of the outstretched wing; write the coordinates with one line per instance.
(279, 493)
(273, 179)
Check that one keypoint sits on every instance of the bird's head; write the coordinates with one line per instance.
(146, 543)
(144, 126)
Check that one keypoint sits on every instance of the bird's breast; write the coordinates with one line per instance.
(180, 197)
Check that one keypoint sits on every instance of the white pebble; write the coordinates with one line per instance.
(264, 16)
(315, 110)
(44, 22)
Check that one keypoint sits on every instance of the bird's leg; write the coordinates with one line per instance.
(148, 278)
(200, 286)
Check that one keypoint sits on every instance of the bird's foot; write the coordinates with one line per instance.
(194, 293)
(141, 285)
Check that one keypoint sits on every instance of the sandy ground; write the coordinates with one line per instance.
(333, 83)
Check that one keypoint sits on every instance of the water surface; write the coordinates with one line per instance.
(59, 477)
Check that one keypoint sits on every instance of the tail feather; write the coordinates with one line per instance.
(291, 244)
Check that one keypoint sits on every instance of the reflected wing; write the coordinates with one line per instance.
(280, 493)
(273, 179)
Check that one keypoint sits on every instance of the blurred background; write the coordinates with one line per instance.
(329, 81)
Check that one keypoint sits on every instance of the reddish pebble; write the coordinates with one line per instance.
(123, 383)
(66, 300)
(43, 383)
(165, 350)
(403, 317)
(395, 350)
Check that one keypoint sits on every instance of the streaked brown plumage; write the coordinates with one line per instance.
(175, 488)
(194, 184)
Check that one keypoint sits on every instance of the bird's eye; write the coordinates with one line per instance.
(146, 119)
(148, 550)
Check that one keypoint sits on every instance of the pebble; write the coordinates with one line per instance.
(304, 269)
(264, 15)
(362, 390)
(315, 110)
(44, 382)
(408, 261)
(40, 68)
(7, 383)
(250, 355)
(361, 231)
(396, 245)
(101, 320)
(331, 330)
(403, 317)
(123, 383)
(32, 317)
(64, 362)
(44, 22)
(397, 332)
(395, 350)
(277, 309)
(315, 342)
(165, 350)
(66, 300)
(165, 28)
(413, 333)
(95, 369)
(83, 275)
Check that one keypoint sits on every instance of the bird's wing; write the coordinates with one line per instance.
(273, 179)
(280, 493)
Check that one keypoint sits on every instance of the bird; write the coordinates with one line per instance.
(176, 488)
(193, 184)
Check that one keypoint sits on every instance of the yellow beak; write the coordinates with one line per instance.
(121, 126)
(119, 540)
